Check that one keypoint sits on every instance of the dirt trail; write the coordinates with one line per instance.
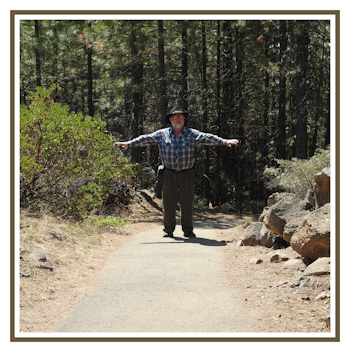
(156, 284)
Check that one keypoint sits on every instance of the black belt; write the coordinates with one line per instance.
(179, 170)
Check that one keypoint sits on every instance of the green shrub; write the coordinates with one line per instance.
(67, 163)
(112, 221)
(296, 175)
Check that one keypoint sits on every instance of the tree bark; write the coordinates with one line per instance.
(137, 92)
(89, 76)
(163, 104)
(37, 53)
(281, 136)
(205, 111)
(184, 67)
(301, 92)
(228, 105)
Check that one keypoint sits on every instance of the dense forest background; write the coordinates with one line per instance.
(266, 83)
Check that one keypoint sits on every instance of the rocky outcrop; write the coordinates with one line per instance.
(284, 217)
(305, 225)
(312, 237)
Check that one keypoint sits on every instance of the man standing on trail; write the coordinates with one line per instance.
(176, 147)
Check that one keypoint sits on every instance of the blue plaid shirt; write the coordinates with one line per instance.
(177, 153)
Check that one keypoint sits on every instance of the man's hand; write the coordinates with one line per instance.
(231, 142)
(124, 145)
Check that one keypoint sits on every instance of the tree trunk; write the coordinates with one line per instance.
(228, 113)
(237, 167)
(137, 92)
(205, 111)
(184, 67)
(37, 53)
(266, 109)
(281, 136)
(301, 92)
(163, 104)
(216, 198)
(89, 76)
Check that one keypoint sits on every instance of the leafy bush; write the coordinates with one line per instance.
(296, 175)
(67, 163)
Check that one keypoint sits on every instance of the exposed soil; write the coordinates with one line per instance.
(272, 291)
(267, 290)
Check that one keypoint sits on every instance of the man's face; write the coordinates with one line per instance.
(177, 120)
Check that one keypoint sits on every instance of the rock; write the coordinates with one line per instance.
(255, 261)
(262, 215)
(312, 237)
(226, 208)
(276, 197)
(44, 267)
(252, 234)
(322, 266)
(40, 256)
(267, 237)
(276, 258)
(300, 282)
(322, 187)
(256, 234)
(290, 228)
(278, 301)
(280, 243)
(274, 222)
(322, 296)
(239, 243)
(284, 217)
(327, 320)
(294, 262)
(24, 274)
(310, 197)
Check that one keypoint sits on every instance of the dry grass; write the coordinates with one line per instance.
(74, 253)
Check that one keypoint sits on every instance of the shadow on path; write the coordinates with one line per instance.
(199, 240)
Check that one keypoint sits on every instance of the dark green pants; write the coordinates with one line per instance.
(178, 186)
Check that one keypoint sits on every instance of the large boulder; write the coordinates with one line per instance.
(256, 234)
(322, 187)
(252, 234)
(276, 197)
(284, 217)
(312, 238)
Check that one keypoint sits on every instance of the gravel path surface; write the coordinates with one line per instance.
(162, 285)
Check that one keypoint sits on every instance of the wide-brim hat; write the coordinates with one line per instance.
(175, 110)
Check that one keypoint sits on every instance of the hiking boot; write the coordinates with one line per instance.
(189, 234)
(168, 235)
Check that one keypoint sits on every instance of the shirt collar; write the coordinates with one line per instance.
(183, 131)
